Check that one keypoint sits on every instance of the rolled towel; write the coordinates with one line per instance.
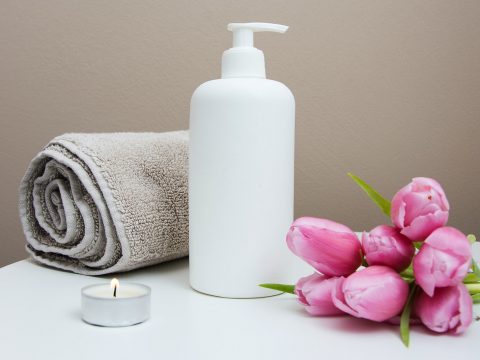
(102, 203)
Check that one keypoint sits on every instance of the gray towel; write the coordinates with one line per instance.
(102, 203)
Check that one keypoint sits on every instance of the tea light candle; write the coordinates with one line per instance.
(114, 305)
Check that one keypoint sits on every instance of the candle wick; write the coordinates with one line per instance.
(115, 291)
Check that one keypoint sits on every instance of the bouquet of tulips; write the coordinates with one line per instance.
(418, 269)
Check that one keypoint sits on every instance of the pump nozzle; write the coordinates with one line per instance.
(243, 32)
(243, 59)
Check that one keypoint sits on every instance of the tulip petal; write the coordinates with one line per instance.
(416, 202)
(338, 298)
(375, 293)
(452, 240)
(329, 252)
(423, 226)
(314, 292)
(397, 212)
(466, 309)
(422, 265)
(443, 260)
(320, 223)
(419, 208)
(450, 309)
(384, 245)
(423, 183)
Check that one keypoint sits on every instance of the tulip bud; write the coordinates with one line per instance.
(315, 292)
(450, 309)
(331, 248)
(384, 245)
(375, 293)
(443, 260)
(419, 208)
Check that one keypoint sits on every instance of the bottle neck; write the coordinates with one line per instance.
(243, 62)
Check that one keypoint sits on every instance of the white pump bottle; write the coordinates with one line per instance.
(242, 130)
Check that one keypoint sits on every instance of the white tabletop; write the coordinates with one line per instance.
(40, 319)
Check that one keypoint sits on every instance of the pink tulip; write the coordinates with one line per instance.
(443, 260)
(384, 245)
(331, 248)
(419, 208)
(375, 293)
(315, 292)
(450, 309)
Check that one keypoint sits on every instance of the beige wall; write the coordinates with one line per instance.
(386, 89)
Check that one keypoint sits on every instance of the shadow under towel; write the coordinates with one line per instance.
(102, 203)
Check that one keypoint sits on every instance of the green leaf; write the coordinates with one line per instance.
(473, 288)
(280, 287)
(378, 199)
(471, 278)
(471, 238)
(476, 298)
(405, 318)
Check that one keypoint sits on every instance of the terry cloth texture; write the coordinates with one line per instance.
(102, 203)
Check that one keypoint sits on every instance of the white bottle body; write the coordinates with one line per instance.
(241, 185)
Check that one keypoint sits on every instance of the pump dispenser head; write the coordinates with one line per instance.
(243, 59)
